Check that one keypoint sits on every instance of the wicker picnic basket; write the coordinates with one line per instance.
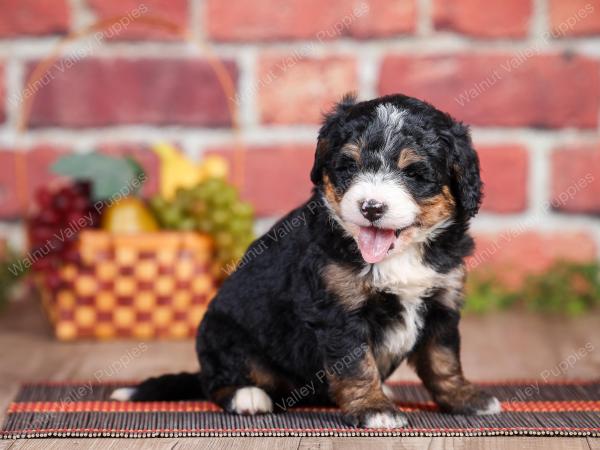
(143, 286)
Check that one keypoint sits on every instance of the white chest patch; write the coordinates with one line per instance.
(399, 339)
(406, 276)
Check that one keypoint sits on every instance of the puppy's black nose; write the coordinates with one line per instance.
(373, 210)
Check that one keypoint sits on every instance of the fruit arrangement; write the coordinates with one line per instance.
(199, 198)
(212, 207)
(150, 267)
(192, 197)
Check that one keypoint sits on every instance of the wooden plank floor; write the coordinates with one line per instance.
(504, 346)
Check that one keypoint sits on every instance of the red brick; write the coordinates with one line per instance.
(508, 18)
(145, 157)
(14, 188)
(99, 92)
(504, 174)
(385, 18)
(34, 17)
(495, 89)
(267, 20)
(576, 179)
(574, 17)
(276, 178)
(164, 19)
(9, 201)
(513, 254)
(297, 90)
(2, 95)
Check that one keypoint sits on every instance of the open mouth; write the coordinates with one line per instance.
(375, 243)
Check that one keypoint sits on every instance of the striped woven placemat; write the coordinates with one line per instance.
(80, 409)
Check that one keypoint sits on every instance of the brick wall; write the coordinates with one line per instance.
(524, 73)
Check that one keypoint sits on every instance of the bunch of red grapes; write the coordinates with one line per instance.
(59, 214)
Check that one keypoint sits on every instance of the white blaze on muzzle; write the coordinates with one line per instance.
(375, 239)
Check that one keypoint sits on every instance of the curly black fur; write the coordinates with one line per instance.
(277, 323)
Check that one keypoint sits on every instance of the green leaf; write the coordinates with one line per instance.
(109, 175)
(138, 170)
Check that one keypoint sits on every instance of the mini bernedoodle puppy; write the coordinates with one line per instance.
(367, 273)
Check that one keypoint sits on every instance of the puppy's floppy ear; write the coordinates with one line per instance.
(463, 165)
(330, 134)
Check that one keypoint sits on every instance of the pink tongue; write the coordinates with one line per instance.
(374, 243)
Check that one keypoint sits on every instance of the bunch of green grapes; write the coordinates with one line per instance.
(211, 207)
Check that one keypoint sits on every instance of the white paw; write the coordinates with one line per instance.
(251, 400)
(493, 407)
(388, 392)
(385, 420)
(122, 394)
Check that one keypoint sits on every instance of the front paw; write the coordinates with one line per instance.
(470, 401)
(377, 419)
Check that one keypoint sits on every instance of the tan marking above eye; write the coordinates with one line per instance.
(407, 157)
(353, 149)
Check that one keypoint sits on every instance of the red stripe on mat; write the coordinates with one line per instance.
(296, 430)
(203, 406)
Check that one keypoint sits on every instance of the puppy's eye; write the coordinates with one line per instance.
(417, 173)
(346, 165)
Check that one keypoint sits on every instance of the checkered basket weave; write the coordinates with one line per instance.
(143, 286)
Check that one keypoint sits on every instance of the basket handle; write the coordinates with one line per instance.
(225, 81)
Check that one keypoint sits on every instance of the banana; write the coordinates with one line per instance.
(178, 171)
(214, 166)
(175, 170)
